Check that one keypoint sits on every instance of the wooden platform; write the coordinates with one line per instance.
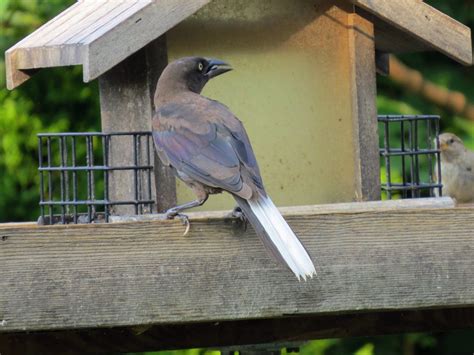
(381, 268)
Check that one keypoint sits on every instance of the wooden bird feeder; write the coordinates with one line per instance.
(305, 86)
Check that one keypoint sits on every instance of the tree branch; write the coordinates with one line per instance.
(413, 80)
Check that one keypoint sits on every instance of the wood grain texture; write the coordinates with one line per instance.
(96, 34)
(104, 49)
(123, 274)
(126, 102)
(391, 39)
(346, 207)
(426, 24)
(100, 34)
(165, 181)
(14, 76)
(364, 95)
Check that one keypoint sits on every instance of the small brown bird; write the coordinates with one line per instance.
(209, 150)
(457, 168)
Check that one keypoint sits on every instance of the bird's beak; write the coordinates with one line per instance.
(442, 145)
(216, 67)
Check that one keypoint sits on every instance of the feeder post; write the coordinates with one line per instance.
(364, 93)
(126, 104)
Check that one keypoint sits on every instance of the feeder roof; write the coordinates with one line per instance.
(100, 34)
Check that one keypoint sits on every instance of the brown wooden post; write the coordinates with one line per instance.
(126, 102)
(366, 141)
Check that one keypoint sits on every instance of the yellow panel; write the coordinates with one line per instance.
(291, 87)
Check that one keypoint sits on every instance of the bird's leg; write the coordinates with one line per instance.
(201, 195)
(175, 211)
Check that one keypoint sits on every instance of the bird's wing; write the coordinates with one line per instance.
(466, 176)
(197, 140)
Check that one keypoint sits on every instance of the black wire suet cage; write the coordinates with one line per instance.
(76, 171)
(411, 168)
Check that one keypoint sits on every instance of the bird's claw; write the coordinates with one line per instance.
(184, 219)
(239, 215)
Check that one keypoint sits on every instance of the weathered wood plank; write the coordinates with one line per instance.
(333, 208)
(111, 13)
(46, 57)
(126, 102)
(109, 23)
(425, 23)
(61, 31)
(225, 334)
(141, 28)
(74, 37)
(391, 39)
(88, 19)
(347, 207)
(165, 181)
(41, 34)
(364, 95)
(90, 33)
(14, 76)
(148, 273)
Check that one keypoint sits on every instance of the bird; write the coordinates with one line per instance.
(457, 168)
(208, 148)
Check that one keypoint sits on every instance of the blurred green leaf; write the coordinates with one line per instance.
(367, 349)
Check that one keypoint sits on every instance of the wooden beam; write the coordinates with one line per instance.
(126, 101)
(97, 34)
(144, 273)
(345, 207)
(135, 31)
(232, 335)
(365, 135)
(425, 23)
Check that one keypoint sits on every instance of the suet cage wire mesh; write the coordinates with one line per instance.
(76, 171)
(409, 164)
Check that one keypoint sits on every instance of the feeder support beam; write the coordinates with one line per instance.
(126, 104)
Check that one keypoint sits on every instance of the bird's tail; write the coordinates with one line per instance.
(277, 235)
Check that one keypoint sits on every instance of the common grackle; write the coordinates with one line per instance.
(209, 150)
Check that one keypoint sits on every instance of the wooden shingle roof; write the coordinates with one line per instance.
(100, 34)
(96, 34)
(424, 27)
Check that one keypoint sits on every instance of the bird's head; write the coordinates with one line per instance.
(192, 73)
(450, 145)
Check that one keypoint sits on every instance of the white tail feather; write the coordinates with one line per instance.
(285, 241)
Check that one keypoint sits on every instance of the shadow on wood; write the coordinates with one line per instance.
(220, 334)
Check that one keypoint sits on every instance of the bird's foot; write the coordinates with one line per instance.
(240, 216)
(172, 214)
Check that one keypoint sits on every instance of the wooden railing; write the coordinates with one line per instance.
(382, 267)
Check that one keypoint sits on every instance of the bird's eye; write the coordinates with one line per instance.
(451, 141)
(200, 66)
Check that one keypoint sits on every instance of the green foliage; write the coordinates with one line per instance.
(439, 69)
(56, 100)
